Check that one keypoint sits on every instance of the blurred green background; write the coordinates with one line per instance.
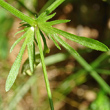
(72, 86)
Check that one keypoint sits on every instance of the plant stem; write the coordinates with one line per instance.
(53, 6)
(46, 6)
(44, 69)
(17, 13)
(21, 3)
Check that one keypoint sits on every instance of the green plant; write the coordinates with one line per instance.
(35, 30)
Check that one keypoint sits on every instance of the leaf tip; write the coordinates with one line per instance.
(10, 50)
(105, 48)
(68, 20)
(59, 48)
(7, 88)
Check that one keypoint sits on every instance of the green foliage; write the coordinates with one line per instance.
(15, 68)
(35, 30)
(91, 43)
(16, 42)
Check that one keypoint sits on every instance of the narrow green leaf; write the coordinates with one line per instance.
(19, 32)
(50, 16)
(25, 25)
(17, 41)
(55, 42)
(46, 31)
(65, 45)
(58, 22)
(43, 17)
(25, 29)
(15, 67)
(88, 42)
(86, 66)
(22, 22)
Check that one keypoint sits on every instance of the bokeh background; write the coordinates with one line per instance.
(72, 86)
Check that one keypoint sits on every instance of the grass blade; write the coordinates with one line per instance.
(55, 42)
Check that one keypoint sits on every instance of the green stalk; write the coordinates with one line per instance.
(46, 6)
(44, 69)
(17, 13)
(53, 6)
(21, 3)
